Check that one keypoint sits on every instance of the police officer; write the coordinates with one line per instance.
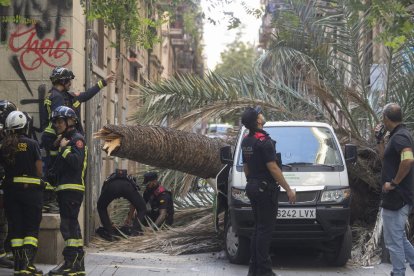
(160, 200)
(70, 168)
(263, 179)
(23, 192)
(117, 185)
(59, 95)
(6, 107)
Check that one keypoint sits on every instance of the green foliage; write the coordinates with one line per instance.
(285, 31)
(320, 70)
(253, 11)
(327, 53)
(192, 18)
(5, 2)
(394, 16)
(238, 58)
(221, 7)
(124, 17)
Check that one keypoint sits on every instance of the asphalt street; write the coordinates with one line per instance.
(212, 264)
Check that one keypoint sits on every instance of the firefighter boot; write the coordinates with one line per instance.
(27, 266)
(68, 266)
(252, 269)
(5, 262)
(80, 262)
(17, 256)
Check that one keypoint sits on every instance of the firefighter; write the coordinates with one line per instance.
(23, 192)
(6, 107)
(59, 95)
(160, 200)
(117, 185)
(69, 169)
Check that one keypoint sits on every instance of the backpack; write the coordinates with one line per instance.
(121, 174)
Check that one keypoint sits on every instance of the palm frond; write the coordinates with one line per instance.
(187, 98)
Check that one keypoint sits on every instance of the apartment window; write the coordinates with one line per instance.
(133, 66)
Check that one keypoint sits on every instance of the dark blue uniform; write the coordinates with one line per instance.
(262, 190)
(3, 220)
(117, 187)
(55, 99)
(23, 199)
(70, 170)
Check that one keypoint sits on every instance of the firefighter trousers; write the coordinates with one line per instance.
(23, 206)
(69, 206)
(118, 188)
(3, 227)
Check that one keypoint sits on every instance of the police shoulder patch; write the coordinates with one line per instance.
(80, 144)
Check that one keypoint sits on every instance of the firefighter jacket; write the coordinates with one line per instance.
(57, 98)
(71, 163)
(23, 171)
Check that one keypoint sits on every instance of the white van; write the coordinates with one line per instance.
(313, 164)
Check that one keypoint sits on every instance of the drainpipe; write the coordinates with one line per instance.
(88, 128)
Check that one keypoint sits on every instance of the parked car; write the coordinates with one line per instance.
(219, 130)
(313, 164)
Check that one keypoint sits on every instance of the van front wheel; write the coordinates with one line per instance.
(236, 247)
(338, 251)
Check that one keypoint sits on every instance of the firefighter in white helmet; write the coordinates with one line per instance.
(23, 192)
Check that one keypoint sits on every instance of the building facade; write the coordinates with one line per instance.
(37, 36)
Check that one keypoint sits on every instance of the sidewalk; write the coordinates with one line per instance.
(209, 264)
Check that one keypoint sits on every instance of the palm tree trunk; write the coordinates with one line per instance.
(164, 147)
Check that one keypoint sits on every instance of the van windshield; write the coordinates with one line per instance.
(303, 146)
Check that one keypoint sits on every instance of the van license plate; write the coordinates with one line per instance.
(296, 213)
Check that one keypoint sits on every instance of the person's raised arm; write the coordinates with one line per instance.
(88, 94)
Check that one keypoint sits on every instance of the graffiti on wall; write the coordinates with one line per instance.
(34, 52)
(31, 31)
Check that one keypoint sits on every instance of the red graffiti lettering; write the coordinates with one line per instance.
(49, 51)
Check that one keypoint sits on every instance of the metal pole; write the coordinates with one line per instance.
(88, 124)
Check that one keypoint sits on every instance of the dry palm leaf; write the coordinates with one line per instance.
(196, 236)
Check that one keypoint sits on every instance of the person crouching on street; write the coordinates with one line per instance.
(23, 192)
(120, 185)
(160, 200)
(70, 169)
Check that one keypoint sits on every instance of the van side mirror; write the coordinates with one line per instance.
(226, 156)
(351, 153)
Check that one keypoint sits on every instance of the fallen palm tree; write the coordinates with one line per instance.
(200, 156)
(366, 250)
(164, 147)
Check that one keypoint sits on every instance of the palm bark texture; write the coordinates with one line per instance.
(164, 147)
